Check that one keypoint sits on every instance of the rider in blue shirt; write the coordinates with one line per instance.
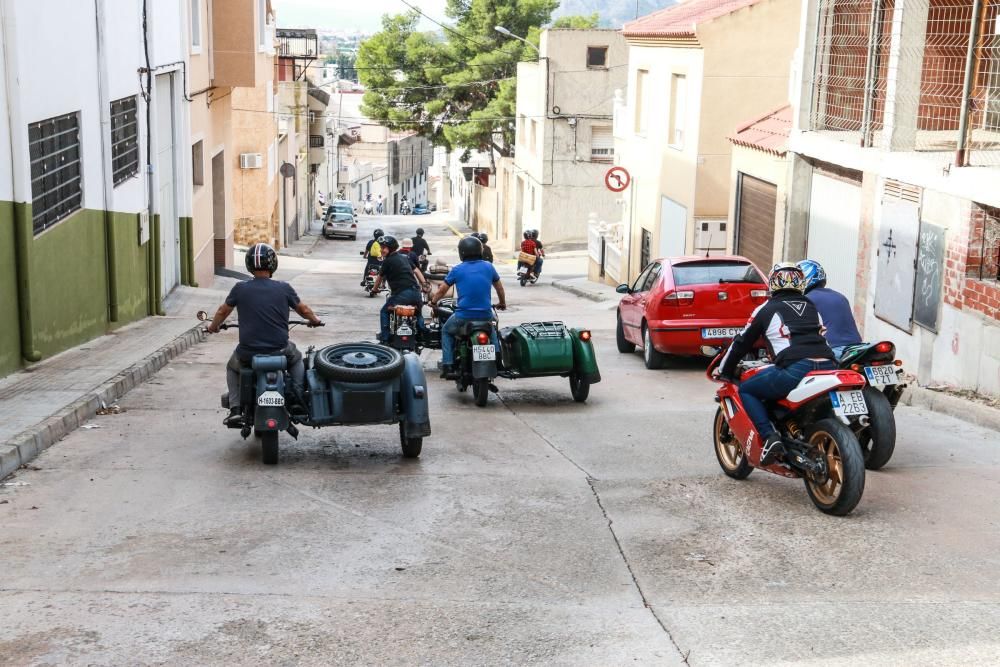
(472, 279)
(833, 307)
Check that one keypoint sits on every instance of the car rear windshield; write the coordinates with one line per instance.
(341, 217)
(711, 272)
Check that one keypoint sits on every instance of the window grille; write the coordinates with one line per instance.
(983, 262)
(901, 191)
(56, 177)
(124, 140)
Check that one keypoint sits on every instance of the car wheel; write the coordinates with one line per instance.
(624, 346)
(654, 360)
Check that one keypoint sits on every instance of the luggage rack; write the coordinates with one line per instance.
(544, 329)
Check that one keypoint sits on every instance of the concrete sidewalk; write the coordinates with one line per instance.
(44, 402)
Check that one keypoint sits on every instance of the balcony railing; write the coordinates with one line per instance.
(297, 43)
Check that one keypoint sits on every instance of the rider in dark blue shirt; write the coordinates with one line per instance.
(833, 307)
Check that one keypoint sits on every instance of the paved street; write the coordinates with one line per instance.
(533, 531)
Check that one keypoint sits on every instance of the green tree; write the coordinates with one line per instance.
(456, 87)
(589, 22)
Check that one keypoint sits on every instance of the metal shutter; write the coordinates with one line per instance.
(602, 144)
(755, 221)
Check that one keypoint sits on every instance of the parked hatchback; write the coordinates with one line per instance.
(340, 224)
(678, 304)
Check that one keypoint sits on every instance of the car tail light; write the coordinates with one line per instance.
(585, 336)
(679, 298)
(758, 295)
(482, 338)
(883, 347)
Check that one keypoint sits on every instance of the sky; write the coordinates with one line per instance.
(364, 15)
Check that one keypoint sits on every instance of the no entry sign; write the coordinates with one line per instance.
(617, 179)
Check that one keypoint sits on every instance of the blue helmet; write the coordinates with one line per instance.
(814, 273)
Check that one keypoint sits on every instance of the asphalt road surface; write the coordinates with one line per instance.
(533, 531)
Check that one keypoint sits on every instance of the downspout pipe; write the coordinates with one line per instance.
(23, 233)
(961, 156)
(104, 99)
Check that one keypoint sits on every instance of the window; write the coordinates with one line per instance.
(597, 57)
(272, 160)
(602, 144)
(262, 24)
(124, 140)
(654, 275)
(532, 197)
(640, 101)
(533, 135)
(520, 129)
(641, 280)
(198, 163)
(56, 180)
(715, 272)
(195, 26)
(678, 109)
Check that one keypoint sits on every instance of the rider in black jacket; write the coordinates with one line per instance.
(792, 329)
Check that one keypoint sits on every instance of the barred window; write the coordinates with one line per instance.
(124, 139)
(56, 177)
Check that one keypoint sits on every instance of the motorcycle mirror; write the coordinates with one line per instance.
(202, 316)
(709, 351)
(622, 289)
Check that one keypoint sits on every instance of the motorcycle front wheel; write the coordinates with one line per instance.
(728, 449)
(845, 463)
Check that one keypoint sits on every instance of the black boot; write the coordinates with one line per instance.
(235, 418)
(773, 446)
(447, 371)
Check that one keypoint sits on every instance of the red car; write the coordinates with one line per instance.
(678, 304)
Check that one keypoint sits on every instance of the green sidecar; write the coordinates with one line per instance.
(543, 349)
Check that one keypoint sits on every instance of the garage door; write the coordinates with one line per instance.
(834, 222)
(755, 221)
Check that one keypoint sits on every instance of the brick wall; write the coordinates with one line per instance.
(972, 262)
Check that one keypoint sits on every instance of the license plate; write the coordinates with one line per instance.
(271, 399)
(404, 331)
(881, 376)
(484, 353)
(849, 403)
(720, 332)
(521, 271)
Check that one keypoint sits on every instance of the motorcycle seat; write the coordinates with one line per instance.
(405, 311)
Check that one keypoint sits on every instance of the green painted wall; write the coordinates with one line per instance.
(10, 334)
(132, 262)
(69, 290)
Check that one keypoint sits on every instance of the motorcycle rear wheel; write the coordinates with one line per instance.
(842, 492)
(728, 449)
(878, 440)
(481, 391)
(269, 447)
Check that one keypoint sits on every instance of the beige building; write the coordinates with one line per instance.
(696, 71)
(564, 140)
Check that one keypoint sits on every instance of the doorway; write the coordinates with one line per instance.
(219, 208)
(166, 168)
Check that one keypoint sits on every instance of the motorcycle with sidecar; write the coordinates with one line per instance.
(346, 384)
(528, 350)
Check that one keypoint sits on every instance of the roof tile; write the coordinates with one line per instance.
(682, 19)
(768, 133)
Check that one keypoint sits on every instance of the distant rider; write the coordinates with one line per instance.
(539, 253)
(528, 247)
(792, 328)
(838, 318)
(487, 251)
(405, 282)
(373, 254)
(420, 244)
(262, 305)
(472, 278)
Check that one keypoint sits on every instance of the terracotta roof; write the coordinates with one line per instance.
(768, 133)
(682, 19)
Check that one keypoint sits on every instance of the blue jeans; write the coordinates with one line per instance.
(839, 350)
(408, 297)
(451, 328)
(773, 384)
(538, 266)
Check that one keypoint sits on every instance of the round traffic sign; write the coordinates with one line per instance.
(617, 179)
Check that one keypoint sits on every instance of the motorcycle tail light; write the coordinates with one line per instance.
(883, 347)
(272, 424)
(584, 336)
(877, 363)
(856, 368)
(679, 298)
(482, 338)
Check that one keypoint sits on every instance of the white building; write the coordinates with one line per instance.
(564, 142)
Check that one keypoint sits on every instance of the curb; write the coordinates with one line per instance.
(29, 443)
(578, 291)
(302, 253)
(953, 406)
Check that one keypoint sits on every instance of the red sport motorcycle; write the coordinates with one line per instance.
(815, 422)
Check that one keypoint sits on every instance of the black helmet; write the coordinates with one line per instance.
(470, 248)
(378, 233)
(261, 257)
(482, 237)
(527, 233)
(534, 234)
(420, 231)
(389, 242)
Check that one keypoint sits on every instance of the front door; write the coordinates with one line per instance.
(166, 170)
(632, 306)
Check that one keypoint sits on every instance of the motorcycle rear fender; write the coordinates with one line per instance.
(262, 414)
(484, 369)
(819, 383)
(584, 358)
(413, 398)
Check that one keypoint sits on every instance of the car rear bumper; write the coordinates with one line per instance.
(685, 337)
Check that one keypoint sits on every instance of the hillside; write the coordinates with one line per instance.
(613, 13)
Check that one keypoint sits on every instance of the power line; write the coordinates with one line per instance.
(449, 29)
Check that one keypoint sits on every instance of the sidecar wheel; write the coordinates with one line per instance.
(411, 446)
(579, 387)
(841, 493)
(728, 449)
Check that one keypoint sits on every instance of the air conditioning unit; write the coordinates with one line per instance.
(251, 160)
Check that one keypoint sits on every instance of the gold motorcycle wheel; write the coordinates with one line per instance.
(728, 449)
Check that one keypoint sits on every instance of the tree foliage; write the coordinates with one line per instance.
(456, 87)
(588, 22)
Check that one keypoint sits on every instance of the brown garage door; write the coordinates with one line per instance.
(755, 221)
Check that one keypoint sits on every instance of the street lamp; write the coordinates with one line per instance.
(507, 33)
